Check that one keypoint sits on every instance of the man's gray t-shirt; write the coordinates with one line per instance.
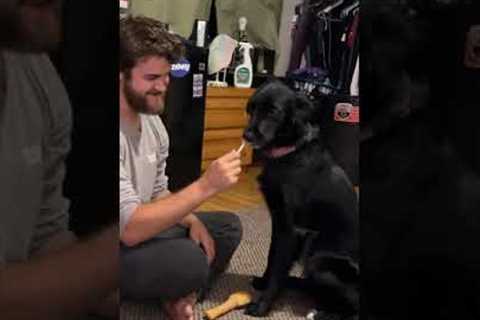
(143, 155)
(35, 127)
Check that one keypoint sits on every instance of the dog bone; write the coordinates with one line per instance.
(235, 300)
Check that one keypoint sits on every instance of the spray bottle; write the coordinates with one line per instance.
(243, 75)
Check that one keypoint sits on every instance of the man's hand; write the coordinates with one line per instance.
(151, 218)
(222, 173)
(199, 234)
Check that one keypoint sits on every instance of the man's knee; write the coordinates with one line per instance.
(224, 225)
(176, 269)
(189, 272)
(234, 228)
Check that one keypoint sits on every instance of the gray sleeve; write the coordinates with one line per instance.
(129, 199)
(160, 188)
(53, 217)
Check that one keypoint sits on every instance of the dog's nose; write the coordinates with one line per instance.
(248, 135)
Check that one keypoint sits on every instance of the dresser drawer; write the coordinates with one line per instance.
(213, 149)
(220, 134)
(225, 120)
(222, 118)
(227, 103)
(217, 148)
(230, 92)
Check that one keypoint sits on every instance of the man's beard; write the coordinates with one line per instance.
(139, 103)
(30, 27)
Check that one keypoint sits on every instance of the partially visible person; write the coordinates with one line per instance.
(45, 273)
(168, 254)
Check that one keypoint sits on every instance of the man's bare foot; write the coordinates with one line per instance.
(181, 309)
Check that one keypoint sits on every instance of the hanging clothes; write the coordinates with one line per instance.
(287, 22)
(327, 37)
(263, 16)
(327, 34)
(303, 30)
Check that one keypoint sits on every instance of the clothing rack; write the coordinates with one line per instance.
(326, 36)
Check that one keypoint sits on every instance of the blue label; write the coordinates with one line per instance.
(180, 69)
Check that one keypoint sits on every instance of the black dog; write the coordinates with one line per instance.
(310, 200)
(420, 198)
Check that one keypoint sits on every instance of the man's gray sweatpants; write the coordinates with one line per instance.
(171, 265)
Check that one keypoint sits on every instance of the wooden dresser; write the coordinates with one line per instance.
(225, 119)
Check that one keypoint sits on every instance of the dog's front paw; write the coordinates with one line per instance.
(259, 283)
(258, 308)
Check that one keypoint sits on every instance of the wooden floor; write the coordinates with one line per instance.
(244, 194)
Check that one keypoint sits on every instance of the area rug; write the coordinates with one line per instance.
(250, 259)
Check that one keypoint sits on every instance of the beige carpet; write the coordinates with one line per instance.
(250, 259)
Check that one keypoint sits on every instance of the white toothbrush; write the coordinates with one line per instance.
(241, 146)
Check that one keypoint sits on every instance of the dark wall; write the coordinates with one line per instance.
(87, 62)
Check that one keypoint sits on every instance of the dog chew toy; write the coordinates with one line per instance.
(235, 300)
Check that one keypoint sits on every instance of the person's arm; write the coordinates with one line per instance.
(61, 285)
(196, 229)
(198, 232)
(147, 220)
(68, 282)
(188, 220)
(53, 217)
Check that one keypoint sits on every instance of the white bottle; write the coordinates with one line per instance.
(243, 75)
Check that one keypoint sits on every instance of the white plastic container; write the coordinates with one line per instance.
(243, 75)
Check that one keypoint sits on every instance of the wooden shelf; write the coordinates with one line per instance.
(225, 120)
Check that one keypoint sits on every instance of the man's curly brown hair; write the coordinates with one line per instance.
(141, 37)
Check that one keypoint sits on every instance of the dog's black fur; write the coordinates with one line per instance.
(420, 199)
(306, 192)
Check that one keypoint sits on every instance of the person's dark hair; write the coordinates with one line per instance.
(142, 37)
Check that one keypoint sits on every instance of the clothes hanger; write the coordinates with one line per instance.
(318, 4)
(326, 17)
(328, 5)
(345, 12)
(325, 13)
(333, 6)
